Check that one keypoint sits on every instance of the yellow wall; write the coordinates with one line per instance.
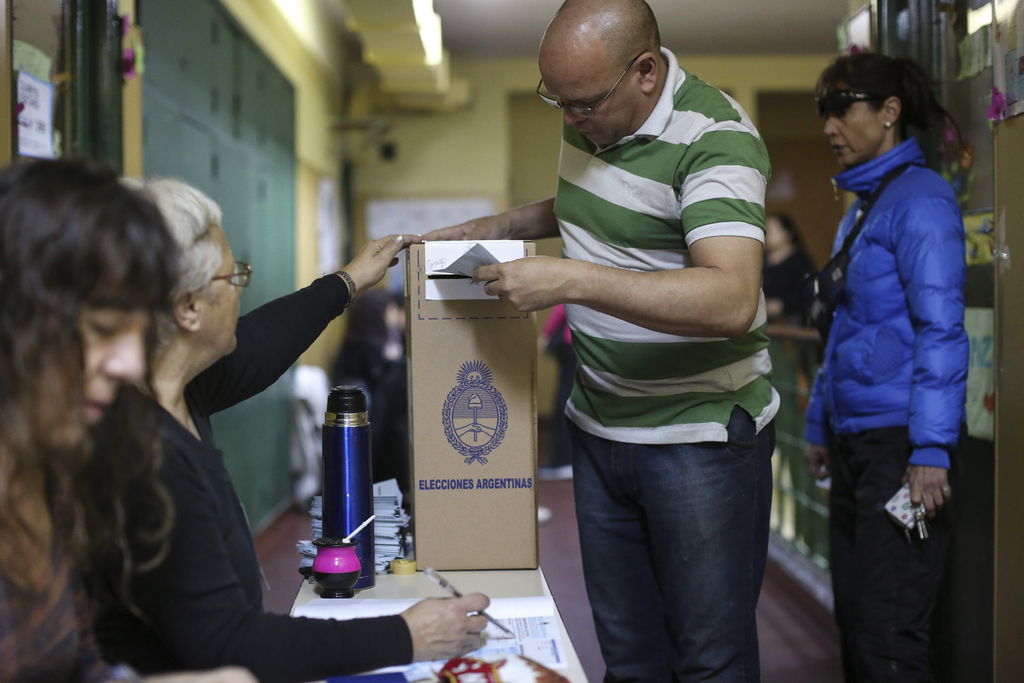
(459, 153)
(304, 49)
(467, 152)
(745, 76)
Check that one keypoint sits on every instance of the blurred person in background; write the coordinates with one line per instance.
(786, 264)
(556, 339)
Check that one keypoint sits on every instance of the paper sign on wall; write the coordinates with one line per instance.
(980, 389)
(35, 117)
(328, 225)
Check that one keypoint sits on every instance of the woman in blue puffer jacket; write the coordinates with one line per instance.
(888, 402)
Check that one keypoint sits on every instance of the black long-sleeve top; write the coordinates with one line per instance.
(203, 604)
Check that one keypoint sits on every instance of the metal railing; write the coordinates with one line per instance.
(799, 505)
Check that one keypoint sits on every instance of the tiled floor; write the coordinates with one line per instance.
(797, 636)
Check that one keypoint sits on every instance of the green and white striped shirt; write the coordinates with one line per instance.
(696, 168)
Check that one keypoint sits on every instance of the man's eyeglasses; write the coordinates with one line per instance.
(583, 111)
(240, 277)
(837, 102)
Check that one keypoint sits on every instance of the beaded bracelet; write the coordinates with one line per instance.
(350, 284)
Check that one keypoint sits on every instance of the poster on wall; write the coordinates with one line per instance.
(855, 35)
(328, 225)
(35, 117)
(978, 233)
(1008, 57)
(980, 391)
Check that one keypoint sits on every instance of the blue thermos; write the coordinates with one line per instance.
(348, 475)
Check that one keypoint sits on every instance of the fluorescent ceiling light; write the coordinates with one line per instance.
(979, 18)
(422, 10)
(430, 34)
(429, 24)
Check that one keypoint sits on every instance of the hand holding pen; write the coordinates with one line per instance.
(446, 628)
(443, 583)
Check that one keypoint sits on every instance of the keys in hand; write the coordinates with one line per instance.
(921, 522)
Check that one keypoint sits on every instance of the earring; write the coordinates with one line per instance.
(888, 125)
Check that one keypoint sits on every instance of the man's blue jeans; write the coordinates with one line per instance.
(674, 540)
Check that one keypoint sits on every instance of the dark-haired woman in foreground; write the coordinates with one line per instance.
(84, 263)
(888, 402)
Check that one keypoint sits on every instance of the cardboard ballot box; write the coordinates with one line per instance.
(472, 381)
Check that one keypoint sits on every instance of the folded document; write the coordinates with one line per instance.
(450, 265)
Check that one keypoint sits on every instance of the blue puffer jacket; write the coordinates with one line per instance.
(897, 351)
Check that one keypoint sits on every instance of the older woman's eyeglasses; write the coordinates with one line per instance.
(240, 277)
(579, 109)
(838, 102)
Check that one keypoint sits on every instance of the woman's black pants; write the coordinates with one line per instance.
(884, 584)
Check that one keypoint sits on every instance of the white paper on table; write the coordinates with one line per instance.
(532, 619)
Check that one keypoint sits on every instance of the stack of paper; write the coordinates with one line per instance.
(307, 551)
(390, 528)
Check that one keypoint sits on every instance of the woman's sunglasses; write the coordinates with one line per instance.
(837, 102)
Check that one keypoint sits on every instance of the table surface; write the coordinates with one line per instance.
(495, 583)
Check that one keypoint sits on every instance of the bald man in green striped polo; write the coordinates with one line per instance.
(660, 204)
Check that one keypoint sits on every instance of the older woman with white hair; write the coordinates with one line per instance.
(203, 606)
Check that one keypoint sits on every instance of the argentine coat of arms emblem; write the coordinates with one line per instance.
(474, 416)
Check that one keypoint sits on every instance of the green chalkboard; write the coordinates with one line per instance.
(218, 114)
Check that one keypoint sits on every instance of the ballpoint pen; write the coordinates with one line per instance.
(443, 583)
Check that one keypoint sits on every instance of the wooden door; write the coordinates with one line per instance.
(1009, 427)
